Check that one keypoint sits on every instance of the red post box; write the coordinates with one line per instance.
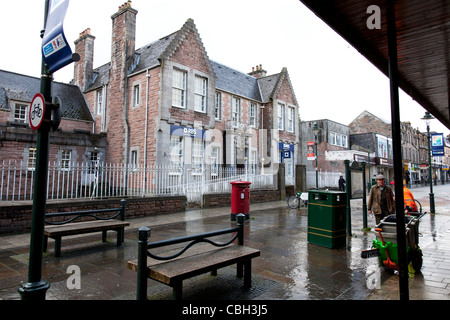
(240, 198)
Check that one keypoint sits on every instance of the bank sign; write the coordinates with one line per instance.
(56, 51)
(437, 144)
(187, 132)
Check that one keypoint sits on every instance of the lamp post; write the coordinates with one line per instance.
(428, 117)
(316, 130)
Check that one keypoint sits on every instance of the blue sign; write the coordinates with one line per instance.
(285, 146)
(437, 144)
(187, 132)
(286, 154)
(56, 51)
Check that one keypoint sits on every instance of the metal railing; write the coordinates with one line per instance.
(89, 180)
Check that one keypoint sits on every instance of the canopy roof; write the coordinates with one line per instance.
(423, 39)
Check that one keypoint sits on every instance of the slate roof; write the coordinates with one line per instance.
(236, 82)
(20, 87)
(227, 79)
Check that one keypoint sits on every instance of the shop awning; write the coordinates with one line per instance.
(423, 40)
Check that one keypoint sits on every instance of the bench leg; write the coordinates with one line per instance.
(120, 236)
(248, 273)
(240, 269)
(177, 290)
(104, 235)
(57, 247)
(214, 272)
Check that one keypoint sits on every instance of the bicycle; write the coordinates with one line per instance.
(296, 201)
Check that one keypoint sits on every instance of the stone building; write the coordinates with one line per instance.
(169, 103)
(74, 141)
(374, 134)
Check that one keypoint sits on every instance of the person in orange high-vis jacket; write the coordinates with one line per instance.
(408, 198)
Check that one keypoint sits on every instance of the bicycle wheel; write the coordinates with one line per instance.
(293, 202)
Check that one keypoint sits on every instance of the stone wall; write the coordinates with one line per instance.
(224, 199)
(17, 218)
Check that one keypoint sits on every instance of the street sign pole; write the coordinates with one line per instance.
(36, 288)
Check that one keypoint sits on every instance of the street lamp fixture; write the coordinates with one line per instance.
(316, 130)
(428, 117)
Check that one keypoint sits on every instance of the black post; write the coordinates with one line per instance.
(396, 141)
(432, 206)
(240, 223)
(123, 203)
(348, 189)
(364, 199)
(36, 288)
(143, 235)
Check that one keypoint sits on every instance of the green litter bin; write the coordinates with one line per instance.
(327, 218)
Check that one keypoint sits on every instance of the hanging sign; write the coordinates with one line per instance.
(310, 154)
(437, 144)
(56, 51)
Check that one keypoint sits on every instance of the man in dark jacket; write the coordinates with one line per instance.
(381, 199)
(341, 183)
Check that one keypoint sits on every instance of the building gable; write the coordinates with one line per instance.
(187, 49)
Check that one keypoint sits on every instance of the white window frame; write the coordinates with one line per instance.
(32, 153)
(134, 158)
(66, 160)
(201, 89)
(176, 150)
(291, 117)
(338, 139)
(179, 88)
(197, 152)
(218, 106)
(235, 111)
(20, 113)
(99, 101)
(252, 116)
(136, 95)
(281, 116)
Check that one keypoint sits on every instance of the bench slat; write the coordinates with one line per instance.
(83, 227)
(172, 271)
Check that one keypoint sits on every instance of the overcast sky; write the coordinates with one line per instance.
(331, 79)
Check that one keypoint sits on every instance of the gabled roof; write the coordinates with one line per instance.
(271, 85)
(227, 79)
(23, 88)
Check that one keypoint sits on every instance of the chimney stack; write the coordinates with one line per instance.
(259, 72)
(83, 69)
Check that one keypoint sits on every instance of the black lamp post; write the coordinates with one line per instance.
(316, 130)
(428, 117)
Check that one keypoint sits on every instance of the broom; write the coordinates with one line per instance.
(387, 263)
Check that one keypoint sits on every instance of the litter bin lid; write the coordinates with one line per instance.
(241, 182)
(327, 191)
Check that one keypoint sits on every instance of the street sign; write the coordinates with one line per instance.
(36, 111)
(56, 51)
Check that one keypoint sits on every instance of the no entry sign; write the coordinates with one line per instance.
(37, 111)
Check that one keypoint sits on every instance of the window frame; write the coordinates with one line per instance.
(281, 115)
(179, 90)
(235, 111)
(200, 94)
(20, 112)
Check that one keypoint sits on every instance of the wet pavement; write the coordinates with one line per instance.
(289, 268)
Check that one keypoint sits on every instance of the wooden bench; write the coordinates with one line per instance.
(172, 269)
(56, 229)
